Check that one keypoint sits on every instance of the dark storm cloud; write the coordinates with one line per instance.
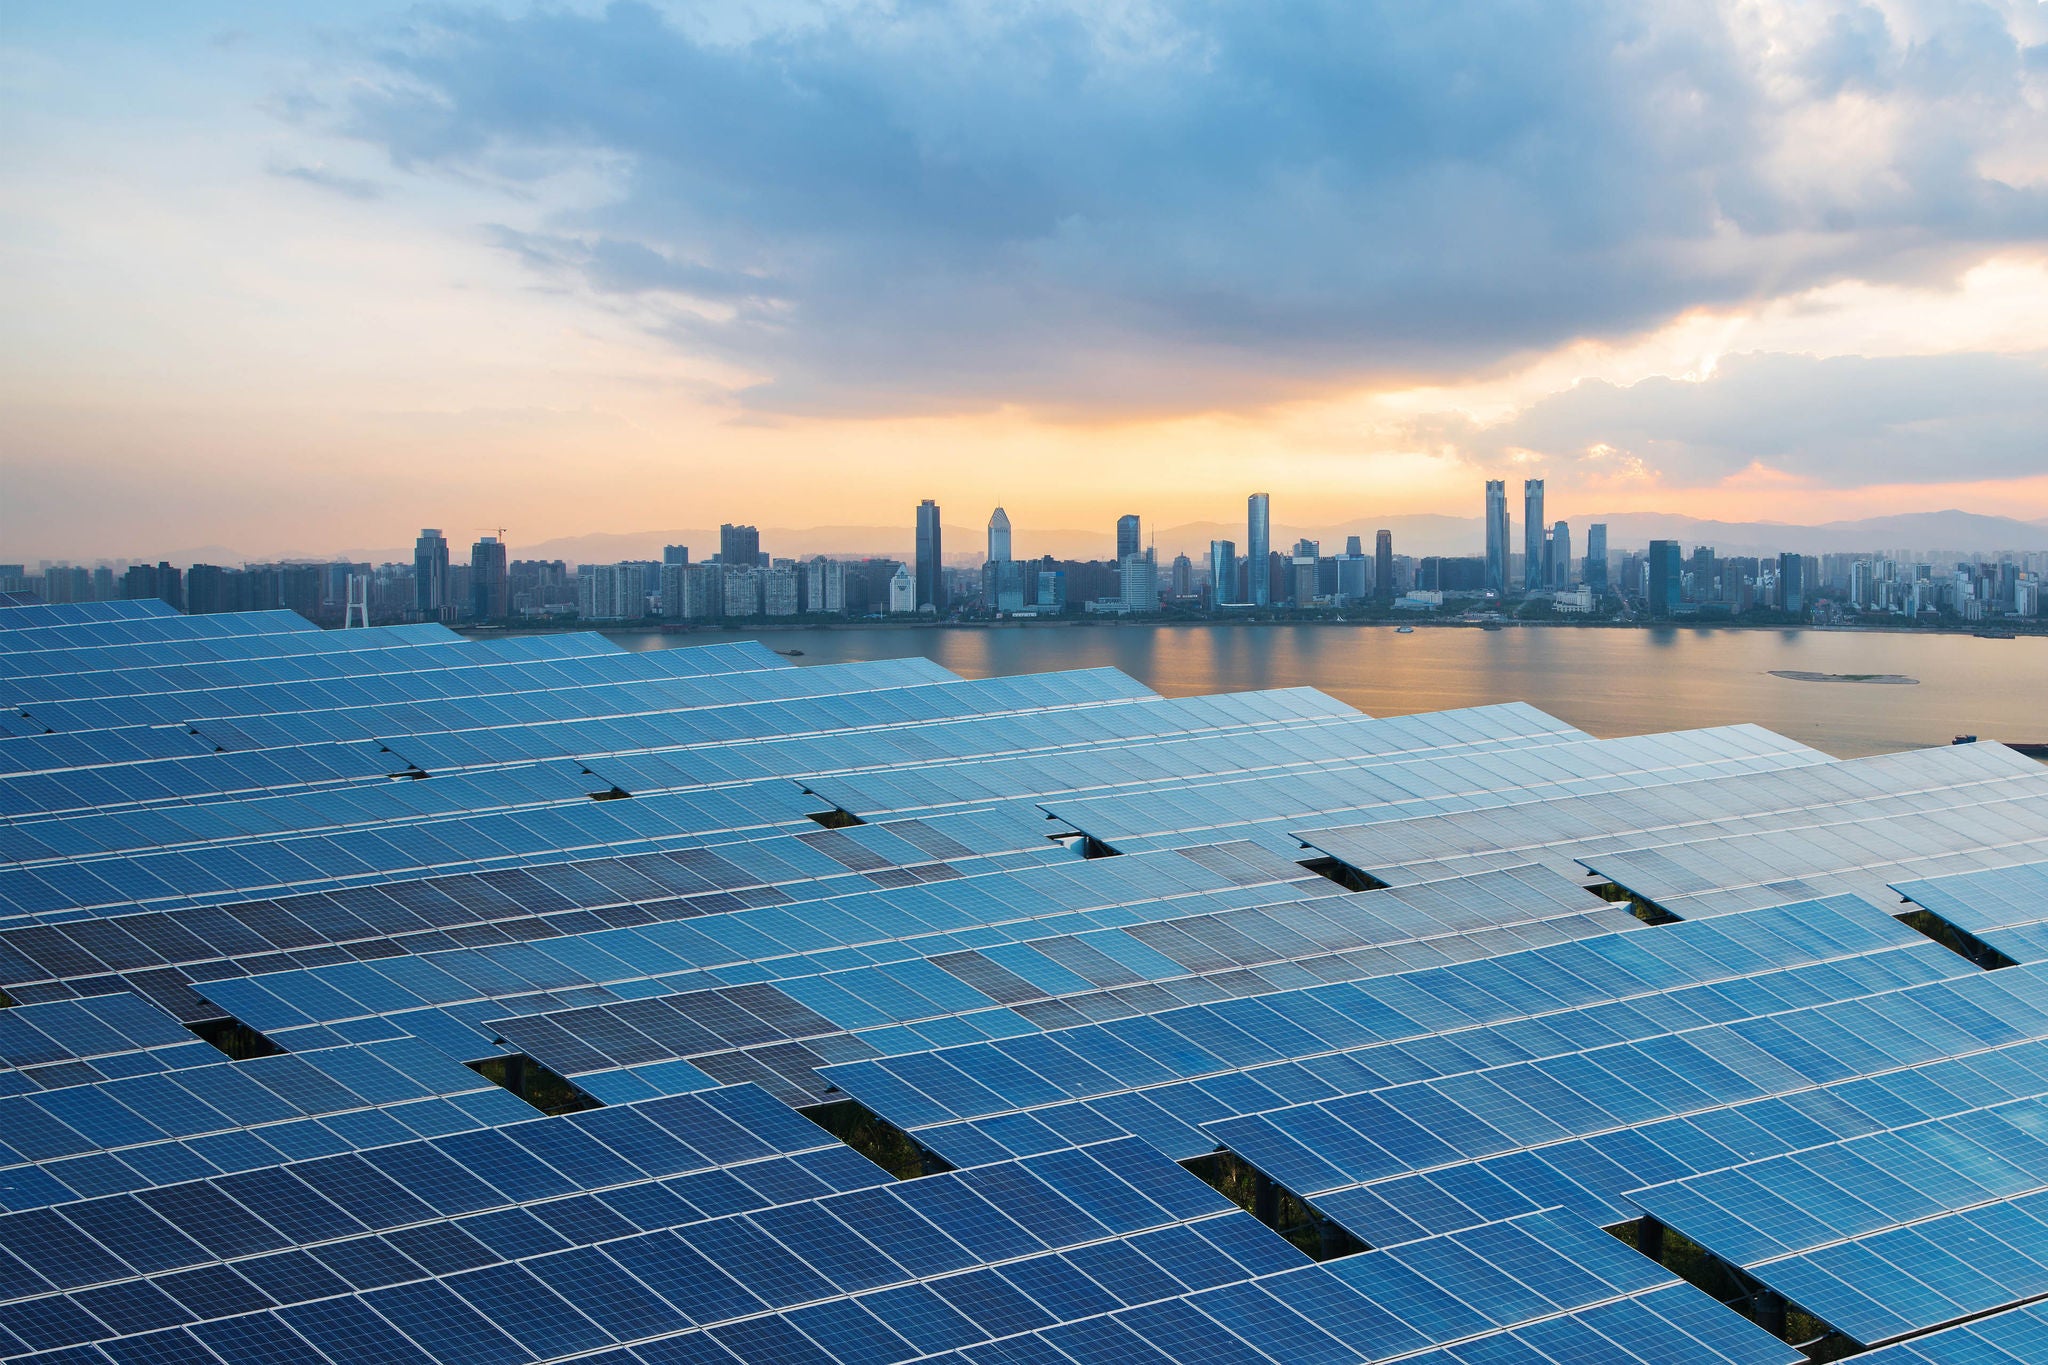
(1842, 422)
(1190, 204)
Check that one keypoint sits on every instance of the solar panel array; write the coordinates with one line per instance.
(383, 997)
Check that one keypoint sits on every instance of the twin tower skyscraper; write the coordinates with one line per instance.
(1546, 550)
(1497, 542)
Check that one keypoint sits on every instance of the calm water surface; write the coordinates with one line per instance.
(1607, 682)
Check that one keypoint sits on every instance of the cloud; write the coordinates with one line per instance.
(1841, 422)
(332, 181)
(1183, 204)
(610, 265)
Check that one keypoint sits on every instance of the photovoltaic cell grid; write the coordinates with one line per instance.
(1471, 1071)
(2005, 909)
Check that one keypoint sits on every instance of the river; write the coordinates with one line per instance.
(1607, 682)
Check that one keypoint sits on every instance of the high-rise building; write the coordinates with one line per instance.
(430, 573)
(903, 592)
(779, 589)
(1183, 576)
(1383, 565)
(1258, 545)
(742, 589)
(674, 588)
(1354, 573)
(739, 546)
(1128, 539)
(611, 592)
(1533, 529)
(1561, 556)
(1595, 573)
(490, 580)
(675, 554)
(998, 536)
(1138, 582)
(1497, 535)
(931, 576)
(825, 586)
(1222, 572)
(700, 592)
(1791, 584)
(1667, 576)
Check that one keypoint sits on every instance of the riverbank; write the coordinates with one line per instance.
(2018, 630)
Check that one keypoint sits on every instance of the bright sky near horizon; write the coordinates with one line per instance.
(311, 276)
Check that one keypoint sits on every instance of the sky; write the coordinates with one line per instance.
(304, 278)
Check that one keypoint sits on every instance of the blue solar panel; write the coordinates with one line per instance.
(379, 852)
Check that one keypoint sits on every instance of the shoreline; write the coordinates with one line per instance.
(1962, 630)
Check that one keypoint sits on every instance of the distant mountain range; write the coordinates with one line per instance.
(1918, 533)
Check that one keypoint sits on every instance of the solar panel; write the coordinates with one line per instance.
(374, 857)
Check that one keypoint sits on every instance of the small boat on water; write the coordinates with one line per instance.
(1404, 630)
(1994, 635)
(791, 653)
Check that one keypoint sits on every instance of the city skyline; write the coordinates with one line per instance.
(270, 268)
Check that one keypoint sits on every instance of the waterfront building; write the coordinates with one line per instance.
(779, 596)
(1596, 557)
(1791, 584)
(1666, 574)
(742, 588)
(930, 577)
(1128, 538)
(739, 546)
(825, 586)
(1222, 572)
(1561, 556)
(1354, 574)
(1497, 535)
(611, 592)
(1138, 582)
(490, 585)
(675, 554)
(1052, 591)
(1533, 533)
(430, 574)
(1258, 548)
(1183, 584)
(903, 592)
(1383, 565)
(998, 536)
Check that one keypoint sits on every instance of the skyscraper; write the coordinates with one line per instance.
(1258, 545)
(675, 554)
(1533, 528)
(739, 546)
(999, 537)
(1383, 565)
(430, 573)
(1497, 535)
(1791, 584)
(1222, 571)
(1561, 555)
(931, 573)
(1353, 573)
(1595, 573)
(1667, 576)
(490, 580)
(1128, 540)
